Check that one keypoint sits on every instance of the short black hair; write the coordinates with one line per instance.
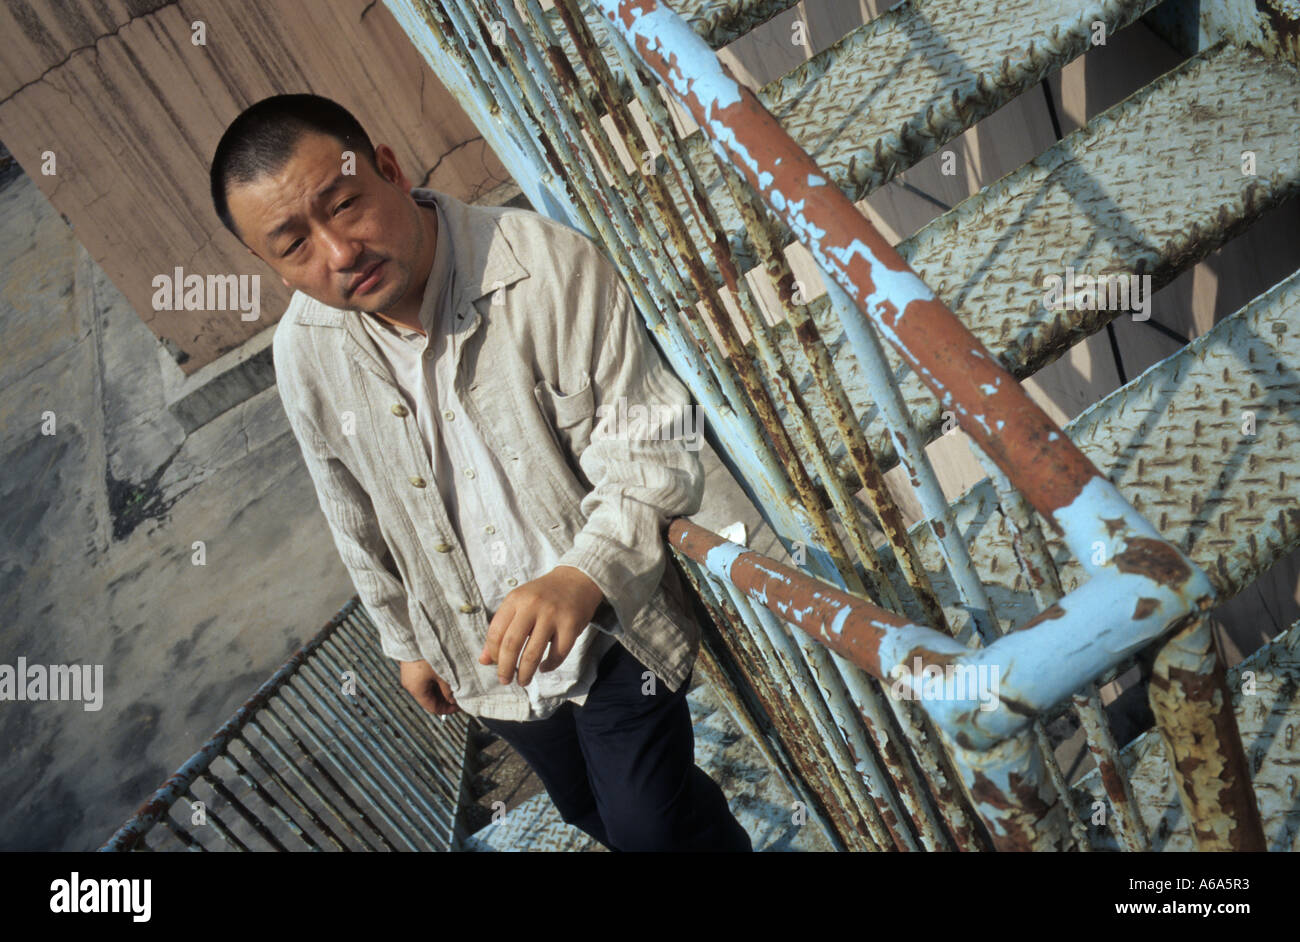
(262, 139)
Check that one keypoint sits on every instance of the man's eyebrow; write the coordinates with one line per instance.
(321, 194)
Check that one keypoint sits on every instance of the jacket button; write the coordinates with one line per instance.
(399, 409)
(417, 480)
(468, 608)
(443, 548)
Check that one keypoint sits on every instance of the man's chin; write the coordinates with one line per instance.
(362, 303)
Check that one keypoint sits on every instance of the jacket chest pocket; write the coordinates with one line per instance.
(569, 415)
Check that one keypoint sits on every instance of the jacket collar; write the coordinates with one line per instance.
(485, 260)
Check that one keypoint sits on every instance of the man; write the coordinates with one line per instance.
(485, 351)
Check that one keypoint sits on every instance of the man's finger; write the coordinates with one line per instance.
(561, 645)
(427, 697)
(448, 698)
(512, 642)
(543, 632)
(496, 630)
(445, 689)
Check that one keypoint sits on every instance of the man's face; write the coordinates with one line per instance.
(323, 231)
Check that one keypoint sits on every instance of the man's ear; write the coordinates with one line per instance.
(389, 167)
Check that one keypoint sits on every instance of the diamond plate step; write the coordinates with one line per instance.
(717, 22)
(758, 798)
(1175, 443)
(1268, 718)
(1101, 201)
(900, 86)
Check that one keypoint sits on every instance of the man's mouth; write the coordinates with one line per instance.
(367, 279)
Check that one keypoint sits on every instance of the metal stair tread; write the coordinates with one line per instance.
(954, 60)
(1122, 228)
(1174, 433)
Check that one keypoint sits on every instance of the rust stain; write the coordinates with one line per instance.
(1144, 607)
(1020, 815)
(1017, 706)
(1285, 25)
(1051, 613)
(1194, 712)
(1111, 780)
(1154, 560)
(986, 793)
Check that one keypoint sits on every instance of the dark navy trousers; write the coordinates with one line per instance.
(622, 766)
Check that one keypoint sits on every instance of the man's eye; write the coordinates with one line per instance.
(290, 250)
(345, 203)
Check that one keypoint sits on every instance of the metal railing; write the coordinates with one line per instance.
(881, 769)
(398, 779)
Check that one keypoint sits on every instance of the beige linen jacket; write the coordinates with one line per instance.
(552, 337)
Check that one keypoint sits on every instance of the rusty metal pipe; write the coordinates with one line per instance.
(1193, 706)
(1093, 628)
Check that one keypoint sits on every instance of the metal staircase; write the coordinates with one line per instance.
(1086, 544)
(1113, 536)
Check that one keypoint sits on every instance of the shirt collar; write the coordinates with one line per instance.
(485, 259)
(437, 288)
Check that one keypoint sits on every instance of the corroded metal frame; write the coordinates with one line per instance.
(388, 792)
(1140, 588)
(882, 780)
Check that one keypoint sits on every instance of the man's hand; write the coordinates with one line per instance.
(554, 609)
(429, 690)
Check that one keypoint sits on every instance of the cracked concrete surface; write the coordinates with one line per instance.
(98, 523)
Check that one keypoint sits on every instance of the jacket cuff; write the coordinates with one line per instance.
(605, 563)
(390, 642)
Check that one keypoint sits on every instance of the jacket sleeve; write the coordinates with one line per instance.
(351, 517)
(644, 471)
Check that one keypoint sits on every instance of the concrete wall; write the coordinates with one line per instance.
(132, 109)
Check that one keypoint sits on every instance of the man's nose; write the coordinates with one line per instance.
(343, 251)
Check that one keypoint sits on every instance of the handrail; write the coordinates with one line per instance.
(1111, 540)
(874, 765)
(1141, 587)
(887, 645)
